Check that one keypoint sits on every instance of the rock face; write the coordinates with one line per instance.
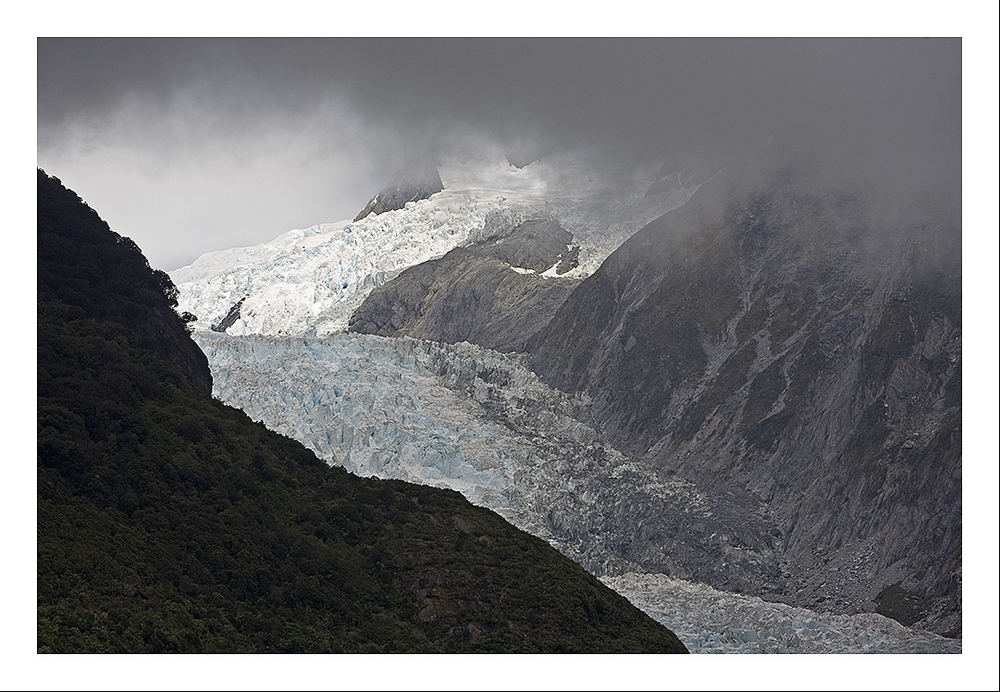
(464, 296)
(520, 161)
(805, 348)
(230, 319)
(413, 184)
(491, 292)
(523, 154)
(538, 244)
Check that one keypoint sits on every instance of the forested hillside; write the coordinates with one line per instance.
(169, 522)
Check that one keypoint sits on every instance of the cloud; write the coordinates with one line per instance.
(285, 128)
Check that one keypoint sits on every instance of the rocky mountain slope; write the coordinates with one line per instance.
(410, 185)
(802, 344)
(497, 291)
(169, 522)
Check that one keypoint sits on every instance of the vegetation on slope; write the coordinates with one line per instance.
(168, 522)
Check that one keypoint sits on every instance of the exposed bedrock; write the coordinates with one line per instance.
(803, 346)
(491, 292)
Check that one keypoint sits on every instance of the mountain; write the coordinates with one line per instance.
(507, 280)
(521, 154)
(168, 521)
(496, 292)
(686, 402)
(116, 268)
(802, 343)
(409, 185)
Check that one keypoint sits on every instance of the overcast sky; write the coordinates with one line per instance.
(188, 145)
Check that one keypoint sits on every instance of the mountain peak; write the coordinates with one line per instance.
(411, 183)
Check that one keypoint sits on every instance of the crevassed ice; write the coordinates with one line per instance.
(414, 410)
(310, 281)
(463, 417)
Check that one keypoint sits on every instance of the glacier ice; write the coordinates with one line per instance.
(310, 281)
(711, 621)
(462, 417)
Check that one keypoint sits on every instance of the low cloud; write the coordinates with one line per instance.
(194, 144)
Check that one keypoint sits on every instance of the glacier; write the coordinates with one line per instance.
(711, 621)
(463, 417)
(309, 281)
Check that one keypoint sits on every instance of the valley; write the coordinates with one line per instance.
(661, 395)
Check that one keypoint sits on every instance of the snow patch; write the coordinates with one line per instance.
(550, 273)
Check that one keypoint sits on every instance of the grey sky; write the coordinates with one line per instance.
(188, 145)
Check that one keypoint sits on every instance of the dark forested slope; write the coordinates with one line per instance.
(170, 522)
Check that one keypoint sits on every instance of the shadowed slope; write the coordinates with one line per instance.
(170, 522)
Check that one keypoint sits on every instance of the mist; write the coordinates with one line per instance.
(189, 145)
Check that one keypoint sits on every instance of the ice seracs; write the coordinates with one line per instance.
(310, 280)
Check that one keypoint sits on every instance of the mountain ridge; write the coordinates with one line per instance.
(169, 522)
(409, 185)
(496, 291)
